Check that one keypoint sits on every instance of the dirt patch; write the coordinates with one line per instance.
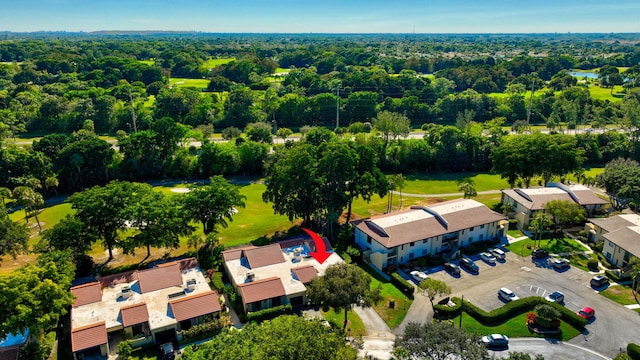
(180, 190)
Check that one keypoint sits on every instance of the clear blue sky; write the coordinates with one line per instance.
(323, 16)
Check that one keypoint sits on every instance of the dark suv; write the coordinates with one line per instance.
(452, 268)
(539, 253)
(599, 280)
(469, 264)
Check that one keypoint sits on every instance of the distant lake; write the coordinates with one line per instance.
(581, 74)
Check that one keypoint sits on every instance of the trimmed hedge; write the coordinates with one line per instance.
(614, 275)
(633, 350)
(403, 285)
(508, 311)
(216, 281)
(208, 329)
(270, 313)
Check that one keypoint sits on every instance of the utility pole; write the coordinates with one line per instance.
(337, 106)
(533, 83)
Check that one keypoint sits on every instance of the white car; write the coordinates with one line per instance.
(498, 253)
(507, 295)
(495, 340)
(418, 276)
(556, 297)
(487, 257)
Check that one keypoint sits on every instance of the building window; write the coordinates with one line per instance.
(425, 241)
(482, 226)
(471, 228)
(368, 240)
(412, 243)
(470, 240)
(137, 330)
(481, 237)
(424, 251)
(410, 255)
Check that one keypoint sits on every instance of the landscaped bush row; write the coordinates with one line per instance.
(216, 281)
(207, 329)
(402, 284)
(507, 311)
(615, 276)
(270, 313)
(633, 350)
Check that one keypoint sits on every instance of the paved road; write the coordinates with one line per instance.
(550, 349)
(613, 327)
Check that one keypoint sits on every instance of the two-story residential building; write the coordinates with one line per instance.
(399, 237)
(149, 306)
(620, 234)
(526, 202)
(275, 274)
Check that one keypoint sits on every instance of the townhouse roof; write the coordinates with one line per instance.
(160, 277)
(134, 314)
(536, 198)
(87, 293)
(627, 238)
(263, 256)
(195, 305)
(88, 336)
(305, 273)
(613, 223)
(261, 290)
(422, 222)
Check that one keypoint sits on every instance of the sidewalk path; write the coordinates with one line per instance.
(378, 343)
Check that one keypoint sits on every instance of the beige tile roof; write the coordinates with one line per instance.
(87, 293)
(235, 253)
(536, 198)
(134, 314)
(614, 223)
(420, 223)
(627, 238)
(263, 256)
(160, 277)
(88, 336)
(305, 273)
(261, 290)
(196, 305)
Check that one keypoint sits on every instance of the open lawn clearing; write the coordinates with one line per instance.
(449, 183)
(513, 328)
(580, 260)
(211, 63)
(355, 327)
(151, 100)
(621, 294)
(601, 93)
(515, 233)
(392, 317)
(149, 62)
(186, 83)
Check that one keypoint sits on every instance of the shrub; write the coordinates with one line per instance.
(207, 329)
(124, 350)
(616, 276)
(445, 311)
(402, 284)
(633, 350)
(592, 264)
(269, 313)
(216, 281)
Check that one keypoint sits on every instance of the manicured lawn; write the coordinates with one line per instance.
(621, 294)
(147, 62)
(354, 322)
(194, 83)
(601, 93)
(448, 183)
(211, 63)
(392, 317)
(526, 246)
(516, 233)
(514, 328)
(580, 260)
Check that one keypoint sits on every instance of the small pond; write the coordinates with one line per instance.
(582, 74)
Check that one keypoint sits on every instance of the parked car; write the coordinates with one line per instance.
(556, 297)
(418, 276)
(495, 340)
(167, 351)
(498, 253)
(452, 268)
(586, 313)
(469, 265)
(488, 258)
(599, 280)
(507, 295)
(539, 253)
(560, 263)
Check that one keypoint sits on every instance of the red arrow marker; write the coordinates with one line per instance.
(321, 253)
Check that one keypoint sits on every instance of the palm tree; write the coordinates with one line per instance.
(540, 222)
(399, 181)
(5, 193)
(31, 200)
(468, 187)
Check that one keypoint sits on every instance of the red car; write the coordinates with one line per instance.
(586, 313)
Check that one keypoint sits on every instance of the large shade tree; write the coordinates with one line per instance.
(621, 180)
(13, 235)
(437, 341)
(342, 286)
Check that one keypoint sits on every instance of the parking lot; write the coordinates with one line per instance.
(612, 328)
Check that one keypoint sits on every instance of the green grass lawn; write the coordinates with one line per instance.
(526, 246)
(448, 183)
(354, 323)
(514, 327)
(211, 63)
(621, 294)
(147, 62)
(601, 93)
(392, 317)
(194, 83)
(516, 233)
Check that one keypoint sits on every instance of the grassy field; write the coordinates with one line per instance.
(355, 327)
(526, 246)
(601, 93)
(211, 63)
(514, 327)
(392, 317)
(448, 183)
(620, 294)
(194, 83)
(147, 62)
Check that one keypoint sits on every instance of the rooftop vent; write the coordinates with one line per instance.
(250, 276)
(191, 284)
(126, 292)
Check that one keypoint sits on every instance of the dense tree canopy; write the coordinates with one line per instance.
(438, 341)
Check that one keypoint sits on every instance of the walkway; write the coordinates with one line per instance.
(443, 195)
(378, 343)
